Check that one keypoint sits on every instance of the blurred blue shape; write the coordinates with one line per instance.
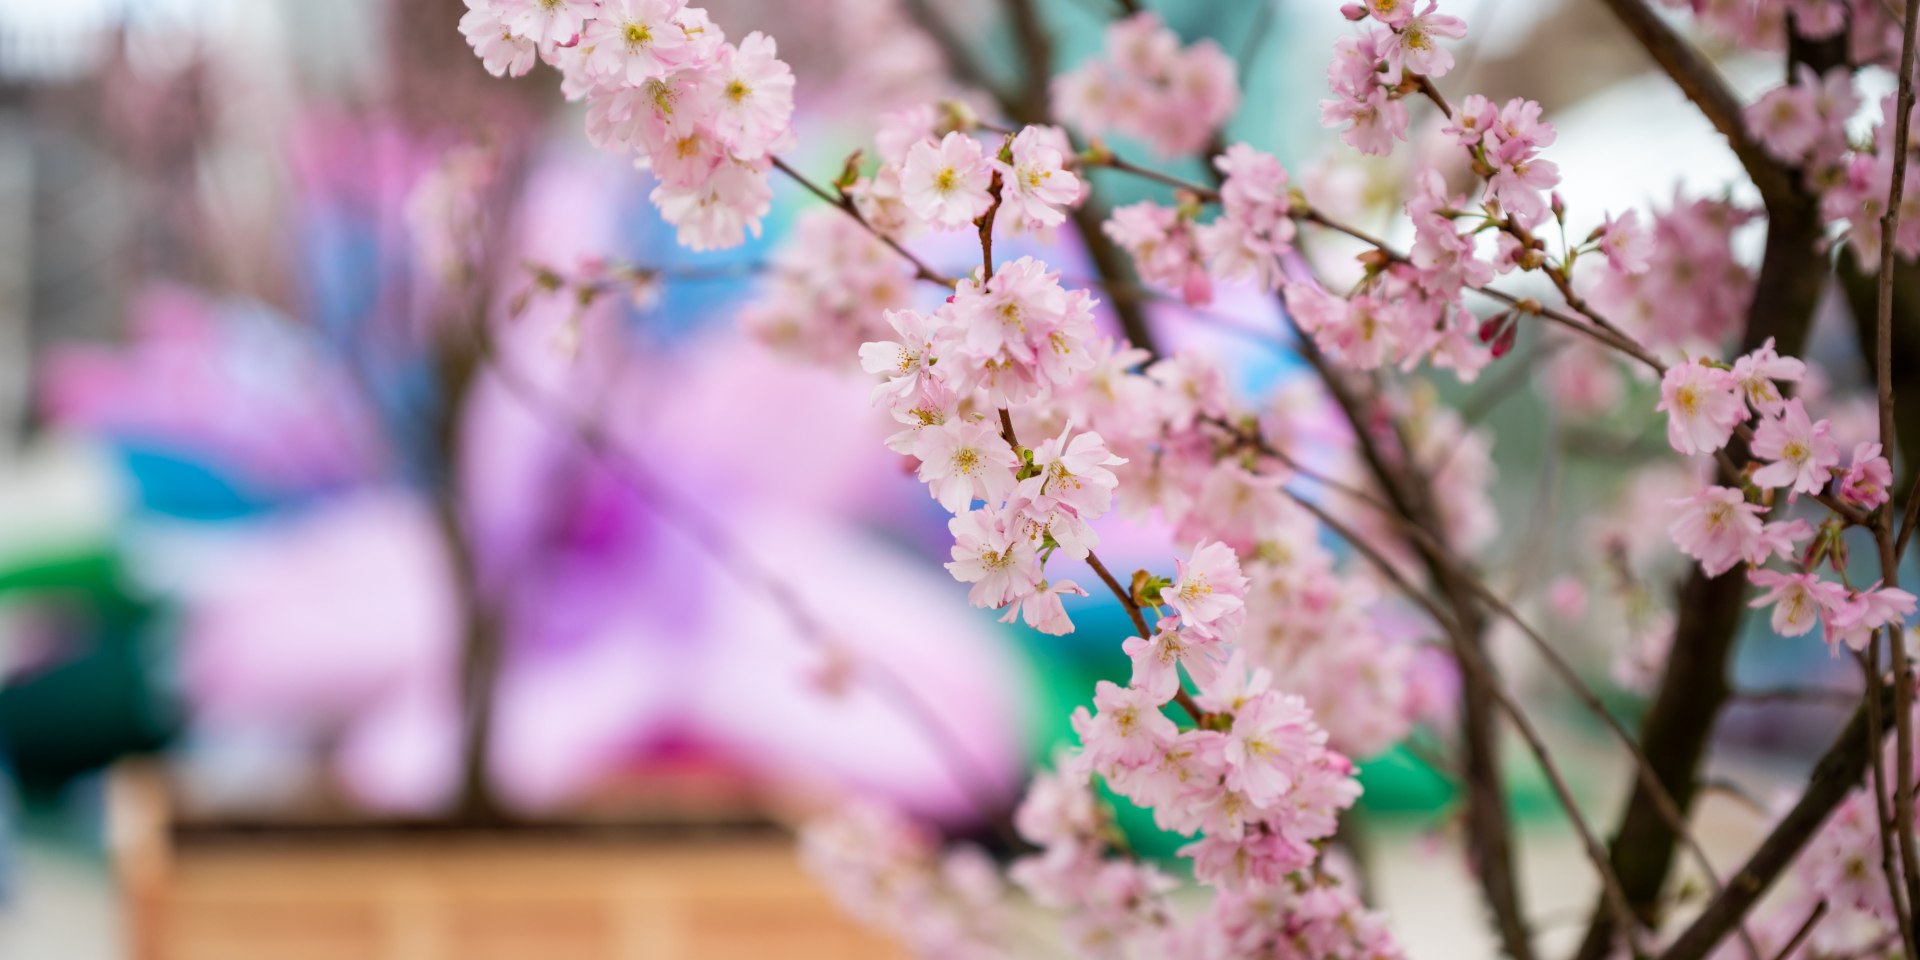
(170, 483)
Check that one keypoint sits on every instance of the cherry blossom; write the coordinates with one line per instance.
(1037, 181)
(1854, 622)
(504, 52)
(946, 184)
(1868, 480)
(1147, 86)
(966, 460)
(1758, 374)
(1719, 528)
(633, 41)
(1797, 599)
(1702, 407)
(1803, 452)
(991, 552)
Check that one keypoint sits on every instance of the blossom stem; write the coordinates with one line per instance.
(1102, 157)
(845, 203)
(1668, 807)
(1883, 529)
(1472, 659)
(1806, 930)
(985, 223)
(1838, 772)
(1139, 617)
(1884, 818)
(1431, 92)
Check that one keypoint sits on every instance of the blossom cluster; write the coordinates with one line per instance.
(1116, 905)
(1706, 403)
(1254, 230)
(661, 81)
(1840, 867)
(1872, 36)
(892, 874)
(1373, 71)
(827, 289)
(1692, 294)
(998, 343)
(1149, 87)
(933, 174)
(1803, 124)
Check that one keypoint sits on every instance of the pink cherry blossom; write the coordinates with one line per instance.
(1626, 243)
(1043, 609)
(1803, 452)
(1147, 86)
(1209, 591)
(1272, 736)
(1855, 620)
(753, 93)
(1868, 480)
(1719, 528)
(1164, 246)
(504, 52)
(906, 360)
(946, 185)
(1157, 659)
(1702, 407)
(1074, 473)
(633, 41)
(1037, 183)
(966, 460)
(548, 22)
(1797, 599)
(1127, 729)
(1416, 47)
(1758, 374)
(993, 554)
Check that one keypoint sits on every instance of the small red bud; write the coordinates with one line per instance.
(1490, 327)
(1502, 346)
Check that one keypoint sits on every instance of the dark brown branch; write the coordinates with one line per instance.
(1701, 82)
(1679, 723)
(1488, 827)
(1839, 771)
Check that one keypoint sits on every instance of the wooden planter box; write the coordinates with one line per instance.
(360, 891)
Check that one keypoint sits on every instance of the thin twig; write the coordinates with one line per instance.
(1806, 930)
(1903, 799)
(845, 205)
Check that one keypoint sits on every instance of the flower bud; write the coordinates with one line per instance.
(1504, 344)
(1354, 11)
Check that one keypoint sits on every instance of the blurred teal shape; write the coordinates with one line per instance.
(99, 701)
(180, 486)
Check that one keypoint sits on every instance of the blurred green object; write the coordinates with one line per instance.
(100, 699)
